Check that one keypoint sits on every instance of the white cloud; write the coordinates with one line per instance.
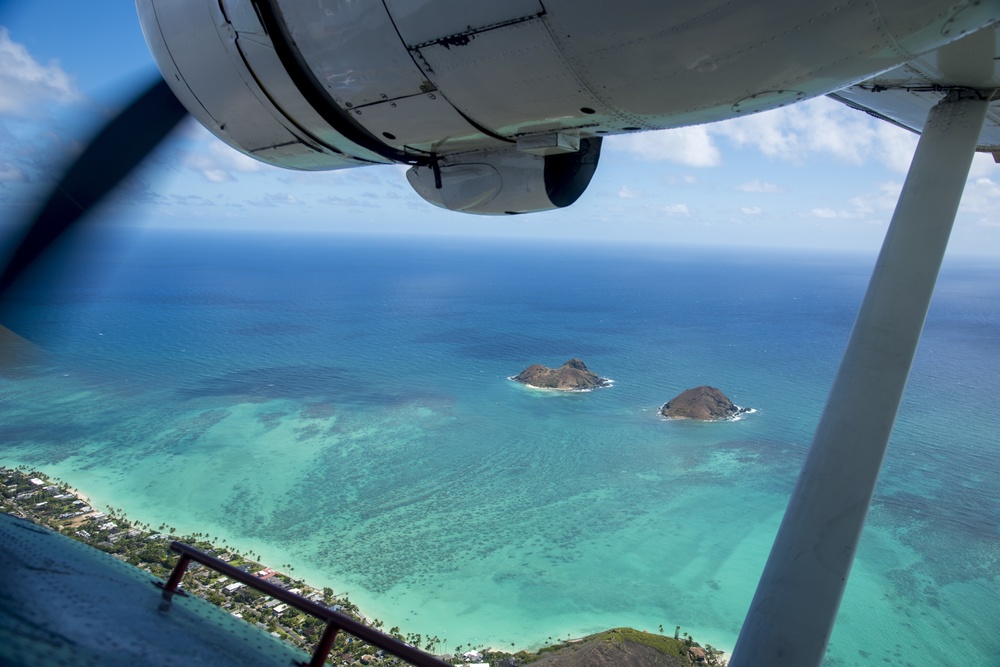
(983, 164)
(674, 180)
(827, 213)
(882, 202)
(816, 126)
(627, 193)
(873, 207)
(277, 199)
(351, 201)
(675, 209)
(759, 186)
(894, 146)
(767, 132)
(821, 127)
(692, 146)
(751, 210)
(891, 189)
(982, 200)
(24, 82)
(220, 163)
(863, 205)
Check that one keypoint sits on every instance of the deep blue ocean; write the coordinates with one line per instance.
(342, 405)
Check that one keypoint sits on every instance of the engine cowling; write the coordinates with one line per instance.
(507, 181)
(221, 63)
(492, 101)
(294, 88)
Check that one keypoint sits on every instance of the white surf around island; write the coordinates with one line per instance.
(740, 414)
(388, 459)
(606, 383)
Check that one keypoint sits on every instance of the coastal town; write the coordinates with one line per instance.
(29, 494)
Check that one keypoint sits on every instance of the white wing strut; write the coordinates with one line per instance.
(792, 613)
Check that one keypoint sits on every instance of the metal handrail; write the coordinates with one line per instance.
(335, 621)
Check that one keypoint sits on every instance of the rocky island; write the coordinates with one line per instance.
(571, 376)
(702, 403)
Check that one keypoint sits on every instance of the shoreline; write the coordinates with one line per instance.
(76, 527)
(49, 501)
(606, 383)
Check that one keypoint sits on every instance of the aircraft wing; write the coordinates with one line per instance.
(904, 95)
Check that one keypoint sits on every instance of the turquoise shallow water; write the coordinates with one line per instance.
(343, 406)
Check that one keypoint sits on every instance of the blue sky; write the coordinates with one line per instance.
(816, 175)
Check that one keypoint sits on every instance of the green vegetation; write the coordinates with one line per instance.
(659, 642)
(51, 502)
(680, 648)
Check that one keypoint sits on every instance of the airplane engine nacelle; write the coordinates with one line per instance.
(507, 181)
(500, 105)
(236, 75)
(311, 87)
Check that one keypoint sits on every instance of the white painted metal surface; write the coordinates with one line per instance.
(499, 182)
(514, 79)
(792, 613)
(334, 84)
(503, 70)
(426, 122)
(905, 94)
(242, 95)
(423, 21)
(354, 50)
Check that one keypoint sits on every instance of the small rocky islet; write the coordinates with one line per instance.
(701, 403)
(571, 376)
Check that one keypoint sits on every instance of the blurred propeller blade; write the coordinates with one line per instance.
(119, 147)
